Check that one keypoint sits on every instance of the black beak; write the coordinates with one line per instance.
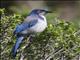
(49, 12)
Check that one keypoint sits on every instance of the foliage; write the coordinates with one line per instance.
(60, 40)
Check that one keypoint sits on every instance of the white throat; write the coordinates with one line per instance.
(43, 17)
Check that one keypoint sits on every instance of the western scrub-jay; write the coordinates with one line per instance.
(35, 22)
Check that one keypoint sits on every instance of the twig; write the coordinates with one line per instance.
(22, 57)
(26, 46)
(77, 32)
(53, 54)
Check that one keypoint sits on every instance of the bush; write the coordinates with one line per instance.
(60, 40)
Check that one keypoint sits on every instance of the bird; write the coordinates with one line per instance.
(35, 22)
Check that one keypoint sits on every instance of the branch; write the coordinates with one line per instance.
(26, 46)
(52, 54)
(77, 32)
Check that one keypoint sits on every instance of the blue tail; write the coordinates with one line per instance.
(16, 46)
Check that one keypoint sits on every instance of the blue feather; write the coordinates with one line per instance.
(17, 44)
(25, 26)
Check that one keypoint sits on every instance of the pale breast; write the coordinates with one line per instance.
(39, 27)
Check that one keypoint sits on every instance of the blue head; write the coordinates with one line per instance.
(40, 11)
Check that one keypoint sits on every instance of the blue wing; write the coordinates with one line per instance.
(24, 26)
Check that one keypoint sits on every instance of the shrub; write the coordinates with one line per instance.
(60, 40)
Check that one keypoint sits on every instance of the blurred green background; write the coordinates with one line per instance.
(63, 9)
